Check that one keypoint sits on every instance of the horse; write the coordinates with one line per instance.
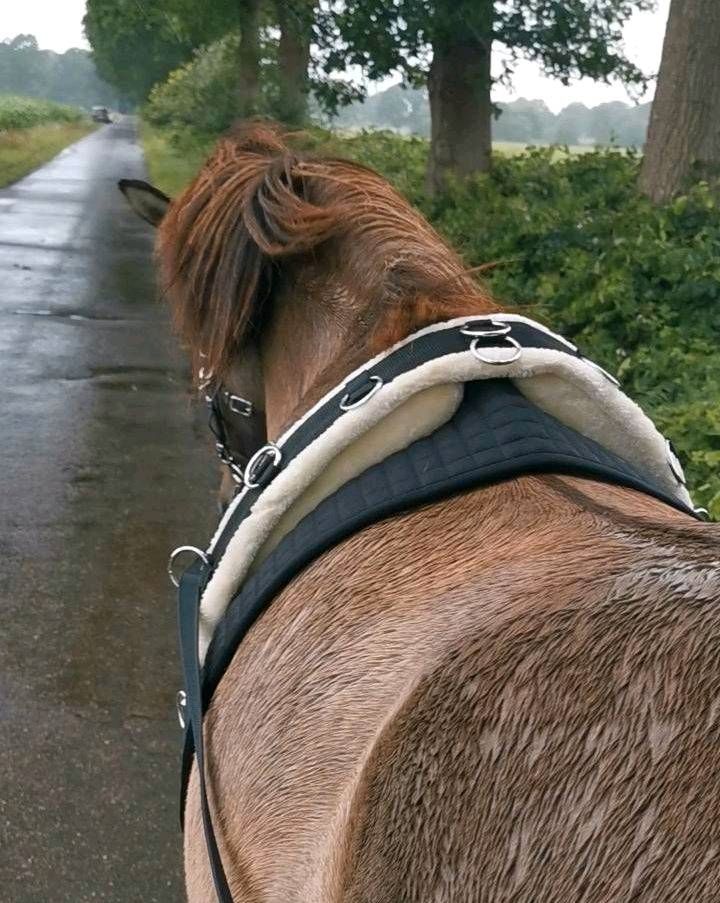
(510, 694)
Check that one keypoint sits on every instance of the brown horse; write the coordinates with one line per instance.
(509, 695)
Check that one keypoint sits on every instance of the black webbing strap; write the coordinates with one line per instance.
(189, 593)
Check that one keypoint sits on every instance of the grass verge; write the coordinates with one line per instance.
(22, 150)
(170, 167)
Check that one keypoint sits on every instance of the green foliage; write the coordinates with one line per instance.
(26, 112)
(173, 157)
(135, 45)
(636, 286)
(201, 94)
(569, 38)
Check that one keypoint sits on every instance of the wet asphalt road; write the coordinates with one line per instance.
(104, 467)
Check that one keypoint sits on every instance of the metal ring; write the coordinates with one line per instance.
(180, 706)
(378, 384)
(499, 329)
(517, 351)
(205, 378)
(179, 551)
(269, 449)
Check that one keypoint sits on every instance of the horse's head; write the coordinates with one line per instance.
(285, 271)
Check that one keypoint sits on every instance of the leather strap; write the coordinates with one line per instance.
(189, 593)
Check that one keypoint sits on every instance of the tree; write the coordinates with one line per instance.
(69, 77)
(135, 45)
(683, 140)
(295, 21)
(449, 44)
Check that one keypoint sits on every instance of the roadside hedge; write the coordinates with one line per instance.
(572, 243)
(26, 112)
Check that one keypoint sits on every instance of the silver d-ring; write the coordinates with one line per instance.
(179, 551)
(517, 351)
(269, 449)
(180, 707)
(498, 328)
(377, 382)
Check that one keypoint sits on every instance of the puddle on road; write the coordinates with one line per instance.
(73, 315)
(132, 378)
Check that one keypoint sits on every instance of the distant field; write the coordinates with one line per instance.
(22, 150)
(517, 147)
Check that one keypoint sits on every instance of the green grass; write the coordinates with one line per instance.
(22, 150)
(170, 167)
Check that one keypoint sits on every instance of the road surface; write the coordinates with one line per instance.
(104, 467)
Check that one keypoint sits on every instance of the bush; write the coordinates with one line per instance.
(572, 243)
(25, 112)
(202, 95)
(636, 286)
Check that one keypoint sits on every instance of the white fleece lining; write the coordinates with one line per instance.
(566, 387)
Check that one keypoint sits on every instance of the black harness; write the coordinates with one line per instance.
(495, 434)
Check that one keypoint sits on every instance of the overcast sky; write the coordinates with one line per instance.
(57, 24)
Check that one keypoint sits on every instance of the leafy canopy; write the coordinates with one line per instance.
(569, 38)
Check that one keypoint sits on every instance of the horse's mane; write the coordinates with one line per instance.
(258, 210)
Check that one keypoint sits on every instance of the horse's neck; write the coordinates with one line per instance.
(304, 355)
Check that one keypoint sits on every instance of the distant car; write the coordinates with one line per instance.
(100, 114)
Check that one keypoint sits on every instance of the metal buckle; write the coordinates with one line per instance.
(497, 328)
(180, 706)
(205, 378)
(179, 551)
(239, 405)
(516, 351)
(377, 384)
(257, 459)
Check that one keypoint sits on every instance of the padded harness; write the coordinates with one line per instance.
(495, 434)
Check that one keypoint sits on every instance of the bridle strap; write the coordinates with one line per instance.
(189, 593)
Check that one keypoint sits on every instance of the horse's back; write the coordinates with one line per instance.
(455, 708)
(570, 752)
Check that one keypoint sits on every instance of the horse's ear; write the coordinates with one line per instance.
(147, 201)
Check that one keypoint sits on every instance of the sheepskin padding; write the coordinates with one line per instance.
(412, 406)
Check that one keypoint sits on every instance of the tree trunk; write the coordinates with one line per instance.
(460, 106)
(249, 57)
(295, 22)
(683, 142)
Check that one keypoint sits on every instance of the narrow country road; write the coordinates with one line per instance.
(104, 467)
